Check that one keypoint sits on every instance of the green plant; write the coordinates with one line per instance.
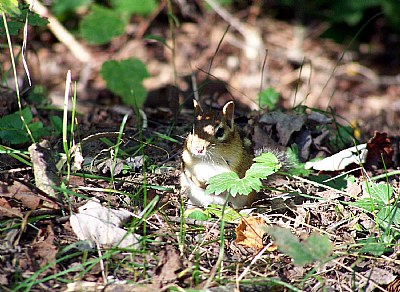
(230, 215)
(125, 79)
(315, 248)
(350, 13)
(102, 24)
(99, 27)
(377, 200)
(17, 16)
(265, 165)
(268, 98)
(13, 131)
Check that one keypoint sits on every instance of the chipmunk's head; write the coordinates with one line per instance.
(212, 130)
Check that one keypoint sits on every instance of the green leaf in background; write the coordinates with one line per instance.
(57, 124)
(339, 183)
(351, 12)
(266, 164)
(101, 25)
(125, 78)
(372, 246)
(13, 27)
(38, 130)
(391, 8)
(134, 6)
(12, 129)
(34, 19)
(268, 98)
(9, 7)
(316, 247)
(64, 6)
(343, 138)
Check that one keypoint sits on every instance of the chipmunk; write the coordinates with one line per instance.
(215, 146)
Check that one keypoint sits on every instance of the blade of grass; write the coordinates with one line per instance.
(15, 77)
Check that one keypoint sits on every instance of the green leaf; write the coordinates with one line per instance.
(230, 214)
(101, 25)
(13, 27)
(259, 170)
(57, 124)
(388, 214)
(382, 192)
(124, 78)
(134, 6)
(391, 8)
(266, 164)
(343, 138)
(296, 167)
(221, 182)
(196, 214)
(9, 7)
(34, 19)
(230, 181)
(367, 204)
(268, 159)
(372, 246)
(13, 130)
(316, 247)
(64, 6)
(245, 186)
(339, 183)
(268, 98)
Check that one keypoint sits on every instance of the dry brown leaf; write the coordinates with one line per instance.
(250, 232)
(43, 250)
(272, 248)
(169, 266)
(22, 193)
(380, 151)
(7, 211)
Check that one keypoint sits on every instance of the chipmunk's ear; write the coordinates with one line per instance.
(197, 108)
(228, 112)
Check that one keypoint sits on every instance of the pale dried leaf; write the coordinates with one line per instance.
(100, 225)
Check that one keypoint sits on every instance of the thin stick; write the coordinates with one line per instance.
(63, 35)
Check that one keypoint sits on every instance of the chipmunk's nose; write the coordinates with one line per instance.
(200, 151)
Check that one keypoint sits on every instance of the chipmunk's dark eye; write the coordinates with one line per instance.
(219, 133)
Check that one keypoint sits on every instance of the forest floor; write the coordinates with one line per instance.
(330, 87)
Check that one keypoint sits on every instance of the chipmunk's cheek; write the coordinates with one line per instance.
(187, 158)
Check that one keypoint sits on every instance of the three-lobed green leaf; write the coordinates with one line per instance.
(265, 165)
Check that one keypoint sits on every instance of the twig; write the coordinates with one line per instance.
(63, 35)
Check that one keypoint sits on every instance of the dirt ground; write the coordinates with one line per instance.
(355, 85)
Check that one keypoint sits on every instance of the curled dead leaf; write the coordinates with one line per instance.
(250, 232)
